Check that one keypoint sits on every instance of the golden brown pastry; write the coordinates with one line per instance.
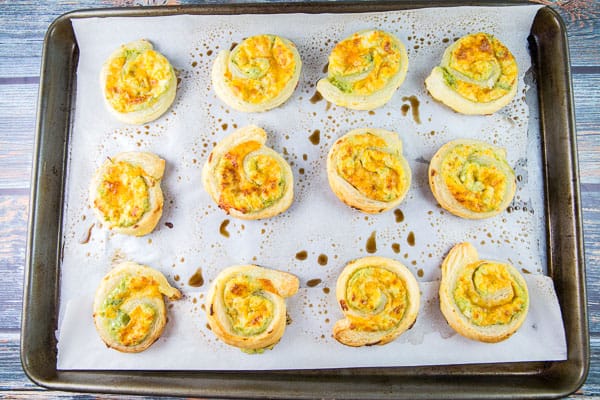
(478, 75)
(367, 171)
(482, 300)
(129, 309)
(380, 298)
(364, 70)
(138, 83)
(247, 179)
(258, 74)
(472, 179)
(125, 192)
(246, 308)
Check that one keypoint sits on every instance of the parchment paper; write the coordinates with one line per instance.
(188, 237)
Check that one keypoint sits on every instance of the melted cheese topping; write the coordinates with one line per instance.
(128, 309)
(487, 294)
(248, 310)
(378, 296)
(364, 63)
(475, 177)
(122, 194)
(478, 56)
(260, 68)
(365, 163)
(137, 79)
(249, 182)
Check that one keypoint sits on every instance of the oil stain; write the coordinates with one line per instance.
(371, 245)
(197, 279)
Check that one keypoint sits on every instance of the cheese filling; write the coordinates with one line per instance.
(128, 310)
(137, 79)
(364, 161)
(378, 297)
(122, 194)
(476, 177)
(487, 294)
(249, 309)
(249, 182)
(364, 63)
(480, 68)
(260, 68)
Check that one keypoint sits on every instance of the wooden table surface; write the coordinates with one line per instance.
(22, 27)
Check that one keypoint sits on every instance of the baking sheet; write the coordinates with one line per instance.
(317, 223)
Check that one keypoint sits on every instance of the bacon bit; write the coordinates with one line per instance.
(236, 289)
(210, 157)
(344, 305)
(211, 312)
(387, 46)
(485, 45)
(462, 53)
(433, 172)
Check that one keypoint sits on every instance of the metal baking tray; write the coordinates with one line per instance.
(550, 56)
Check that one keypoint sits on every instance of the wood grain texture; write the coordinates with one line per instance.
(17, 132)
(13, 231)
(23, 25)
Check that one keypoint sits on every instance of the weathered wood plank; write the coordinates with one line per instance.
(17, 131)
(591, 217)
(12, 376)
(23, 25)
(13, 231)
(13, 379)
(587, 97)
(588, 145)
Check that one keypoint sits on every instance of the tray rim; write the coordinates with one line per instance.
(529, 380)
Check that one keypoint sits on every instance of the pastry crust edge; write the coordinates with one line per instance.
(367, 102)
(153, 167)
(150, 114)
(443, 196)
(226, 95)
(245, 134)
(108, 283)
(350, 195)
(342, 330)
(461, 255)
(285, 284)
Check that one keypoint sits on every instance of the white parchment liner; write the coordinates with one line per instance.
(188, 238)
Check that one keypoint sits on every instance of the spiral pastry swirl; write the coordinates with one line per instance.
(138, 83)
(246, 306)
(247, 179)
(380, 299)
(367, 171)
(477, 75)
(258, 74)
(364, 70)
(482, 300)
(129, 309)
(125, 192)
(472, 179)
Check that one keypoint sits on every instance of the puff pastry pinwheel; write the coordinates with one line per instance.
(367, 171)
(246, 306)
(380, 298)
(138, 83)
(247, 179)
(125, 192)
(482, 300)
(472, 179)
(258, 74)
(364, 70)
(477, 75)
(129, 308)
